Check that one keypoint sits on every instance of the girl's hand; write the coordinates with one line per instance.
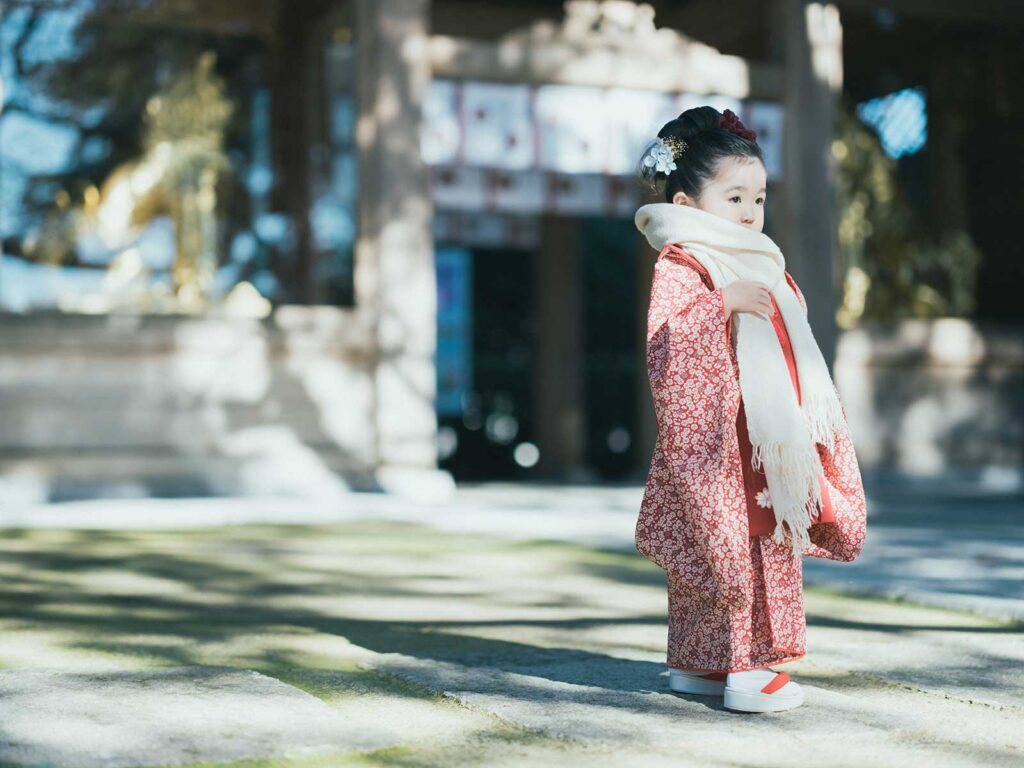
(748, 296)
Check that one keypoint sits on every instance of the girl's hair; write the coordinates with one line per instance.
(707, 144)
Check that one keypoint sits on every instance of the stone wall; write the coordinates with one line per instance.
(173, 405)
(935, 397)
(176, 404)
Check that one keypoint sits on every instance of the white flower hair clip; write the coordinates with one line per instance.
(659, 156)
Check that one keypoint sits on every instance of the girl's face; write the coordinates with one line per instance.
(736, 193)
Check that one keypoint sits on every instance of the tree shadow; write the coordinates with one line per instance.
(208, 600)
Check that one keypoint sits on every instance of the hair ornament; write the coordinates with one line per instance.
(657, 158)
(676, 145)
(660, 157)
(730, 122)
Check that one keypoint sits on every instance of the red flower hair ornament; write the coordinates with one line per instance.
(730, 122)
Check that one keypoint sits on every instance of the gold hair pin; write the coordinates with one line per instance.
(676, 145)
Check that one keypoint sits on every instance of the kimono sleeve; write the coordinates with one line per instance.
(693, 519)
(684, 319)
(843, 539)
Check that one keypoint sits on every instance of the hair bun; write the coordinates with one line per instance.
(691, 123)
(688, 150)
(698, 120)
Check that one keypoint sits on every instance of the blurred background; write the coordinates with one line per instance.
(323, 245)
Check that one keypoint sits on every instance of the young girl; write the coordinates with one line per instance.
(753, 465)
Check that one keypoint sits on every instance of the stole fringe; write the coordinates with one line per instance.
(824, 418)
(796, 470)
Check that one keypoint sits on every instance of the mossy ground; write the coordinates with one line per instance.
(313, 606)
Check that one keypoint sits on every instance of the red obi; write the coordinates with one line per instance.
(761, 518)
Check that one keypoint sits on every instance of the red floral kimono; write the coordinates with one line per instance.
(735, 596)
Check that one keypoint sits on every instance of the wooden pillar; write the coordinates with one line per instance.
(558, 373)
(395, 280)
(949, 106)
(807, 39)
(291, 70)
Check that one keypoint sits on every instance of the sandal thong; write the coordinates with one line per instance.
(778, 694)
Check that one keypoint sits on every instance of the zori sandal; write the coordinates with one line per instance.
(706, 683)
(761, 690)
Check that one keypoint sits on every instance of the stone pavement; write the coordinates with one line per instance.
(959, 549)
(138, 717)
(353, 634)
(955, 545)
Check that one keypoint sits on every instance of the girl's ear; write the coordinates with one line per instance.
(680, 198)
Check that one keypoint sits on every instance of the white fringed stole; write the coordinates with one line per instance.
(782, 431)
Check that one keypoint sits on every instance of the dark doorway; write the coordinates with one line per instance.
(496, 415)
(610, 272)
